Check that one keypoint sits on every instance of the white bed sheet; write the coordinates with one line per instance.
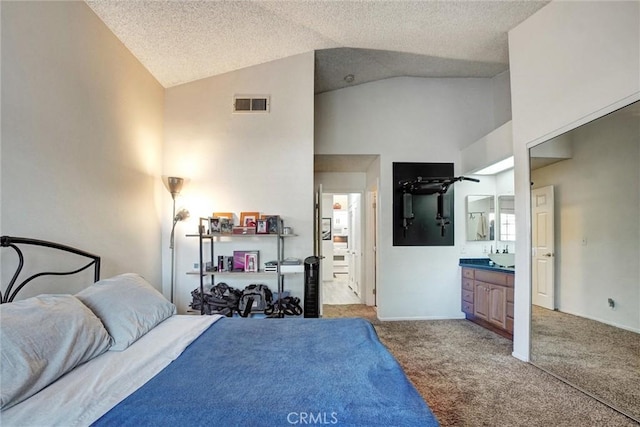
(89, 391)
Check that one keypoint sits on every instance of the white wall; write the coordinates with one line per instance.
(242, 162)
(597, 234)
(341, 182)
(501, 86)
(409, 119)
(570, 62)
(491, 148)
(81, 139)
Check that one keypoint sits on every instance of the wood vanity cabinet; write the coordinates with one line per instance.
(487, 299)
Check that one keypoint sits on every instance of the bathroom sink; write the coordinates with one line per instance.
(503, 260)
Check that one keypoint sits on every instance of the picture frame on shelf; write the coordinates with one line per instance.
(272, 223)
(251, 262)
(228, 215)
(214, 225)
(262, 227)
(226, 225)
(326, 228)
(240, 258)
(248, 219)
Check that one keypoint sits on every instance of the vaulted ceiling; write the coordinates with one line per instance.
(182, 41)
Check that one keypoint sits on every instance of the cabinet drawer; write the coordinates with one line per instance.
(491, 277)
(467, 284)
(511, 278)
(467, 296)
(510, 295)
(509, 310)
(467, 307)
(467, 272)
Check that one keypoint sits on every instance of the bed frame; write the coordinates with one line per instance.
(16, 242)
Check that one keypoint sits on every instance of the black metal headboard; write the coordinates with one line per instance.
(13, 242)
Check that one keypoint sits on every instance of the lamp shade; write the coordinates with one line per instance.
(174, 185)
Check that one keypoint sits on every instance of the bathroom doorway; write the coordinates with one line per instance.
(342, 248)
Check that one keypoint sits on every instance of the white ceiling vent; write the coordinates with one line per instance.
(251, 104)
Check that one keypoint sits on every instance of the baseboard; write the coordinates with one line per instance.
(393, 319)
(520, 356)
(604, 321)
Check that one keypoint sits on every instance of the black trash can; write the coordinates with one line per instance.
(312, 286)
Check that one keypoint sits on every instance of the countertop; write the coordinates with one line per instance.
(483, 264)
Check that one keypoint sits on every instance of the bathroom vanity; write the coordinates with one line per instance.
(487, 295)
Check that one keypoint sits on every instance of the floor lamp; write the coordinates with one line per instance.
(174, 185)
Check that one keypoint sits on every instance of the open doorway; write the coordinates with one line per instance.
(342, 248)
(354, 178)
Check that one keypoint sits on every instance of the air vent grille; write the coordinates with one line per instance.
(251, 104)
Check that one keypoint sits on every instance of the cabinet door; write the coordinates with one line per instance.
(498, 305)
(481, 300)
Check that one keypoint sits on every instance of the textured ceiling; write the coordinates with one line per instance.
(182, 41)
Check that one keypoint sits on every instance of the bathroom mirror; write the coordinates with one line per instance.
(480, 218)
(506, 219)
(585, 220)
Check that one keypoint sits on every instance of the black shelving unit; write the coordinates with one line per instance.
(211, 238)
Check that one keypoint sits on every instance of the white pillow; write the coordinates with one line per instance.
(42, 338)
(128, 306)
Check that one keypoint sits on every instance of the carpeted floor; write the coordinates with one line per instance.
(468, 377)
(594, 356)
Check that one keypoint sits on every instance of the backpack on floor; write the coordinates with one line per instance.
(255, 298)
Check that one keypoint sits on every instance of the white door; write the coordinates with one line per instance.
(374, 248)
(355, 246)
(542, 262)
(317, 241)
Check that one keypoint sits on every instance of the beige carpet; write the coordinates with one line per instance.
(468, 377)
(594, 356)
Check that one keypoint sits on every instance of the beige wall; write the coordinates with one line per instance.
(436, 118)
(242, 162)
(81, 138)
(571, 62)
(597, 226)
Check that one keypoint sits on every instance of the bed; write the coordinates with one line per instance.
(116, 353)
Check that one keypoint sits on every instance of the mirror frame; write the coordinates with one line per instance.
(633, 413)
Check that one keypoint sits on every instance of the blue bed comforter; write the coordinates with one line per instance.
(278, 372)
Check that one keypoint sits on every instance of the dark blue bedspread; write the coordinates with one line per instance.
(278, 372)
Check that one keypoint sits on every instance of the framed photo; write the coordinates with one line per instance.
(262, 227)
(272, 223)
(228, 215)
(248, 219)
(226, 226)
(251, 262)
(240, 260)
(214, 225)
(326, 228)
